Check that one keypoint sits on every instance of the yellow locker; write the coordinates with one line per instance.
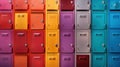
(52, 20)
(52, 4)
(52, 60)
(21, 20)
(52, 40)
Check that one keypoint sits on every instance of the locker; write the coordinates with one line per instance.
(114, 20)
(82, 4)
(113, 60)
(67, 20)
(83, 40)
(67, 41)
(114, 41)
(83, 20)
(114, 4)
(37, 41)
(20, 61)
(52, 60)
(99, 20)
(37, 60)
(99, 4)
(52, 5)
(6, 41)
(5, 4)
(20, 41)
(67, 4)
(52, 41)
(37, 5)
(67, 60)
(37, 21)
(99, 60)
(21, 4)
(21, 20)
(6, 60)
(6, 20)
(98, 40)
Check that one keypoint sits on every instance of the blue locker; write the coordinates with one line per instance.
(114, 5)
(114, 41)
(98, 60)
(98, 40)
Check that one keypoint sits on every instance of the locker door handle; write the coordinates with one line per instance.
(56, 45)
(103, 45)
(26, 45)
(56, 1)
(71, 2)
(42, 21)
(10, 1)
(10, 45)
(37, 57)
(9, 21)
(26, 1)
(42, 45)
(72, 45)
(5, 34)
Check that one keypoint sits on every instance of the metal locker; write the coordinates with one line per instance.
(6, 60)
(6, 41)
(99, 4)
(52, 40)
(99, 60)
(52, 5)
(20, 61)
(6, 20)
(67, 60)
(37, 60)
(5, 4)
(83, 41)
(114, 5)
(37, 41)
(37, 21)
(21, 20)
(37, 5)
(52, 60)
(67, 41)
(67, 20)
(114, 41)
(20, 41)
(21, 4)
(83, 20)
(67, 4)
(52, 21)
(98, 40)
(82, 4)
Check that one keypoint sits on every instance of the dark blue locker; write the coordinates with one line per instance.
(114, 5)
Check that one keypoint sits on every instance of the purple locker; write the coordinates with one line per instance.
(67, 41)
(5, 4)
(67, 20)
(6, 60)
(67, 60)
(5, 41)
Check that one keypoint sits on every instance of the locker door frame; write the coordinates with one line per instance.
(8, 7)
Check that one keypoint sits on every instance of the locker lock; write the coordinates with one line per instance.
(56, 1)
(26, 45)
(41, 20)
(56, 45)
(10, 45)
(26, 1)
(103, 45)
(10, 1)
(42, 2)
(9, 21)
(71, 2)
(71, 45)
(103, 2)
(88, 45)
(42, 44)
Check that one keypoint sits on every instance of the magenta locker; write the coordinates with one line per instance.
(5, 4)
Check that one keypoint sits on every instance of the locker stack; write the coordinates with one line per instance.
(98, 33)
(114, 34)
(6, 23)
(52, 33)
(67, 31)
(82, 33)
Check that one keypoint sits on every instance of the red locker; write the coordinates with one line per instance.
(37, 41)
(67, 4)
(37, 60)
(20, 41)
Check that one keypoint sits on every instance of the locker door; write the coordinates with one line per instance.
(37, 60)
(82, 60)
(6, 20)
(83, 20)
(37, 41)
(52, 20)
(21, 4)
(83, 41)
(52, 60)
(67, 41)
(5, 41)
(82, 4)
(67, 60)
(52, 5)
(99, 60)
(67, 4)
(114, 5)
(21, 20)
(5, 4)
(20, 61)
(20, 40)
(99, 4)
(52, 41)
(37, 21)
(67, 20)
(37, 5)
(98, 40)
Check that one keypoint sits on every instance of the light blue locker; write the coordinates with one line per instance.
(114, 5)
